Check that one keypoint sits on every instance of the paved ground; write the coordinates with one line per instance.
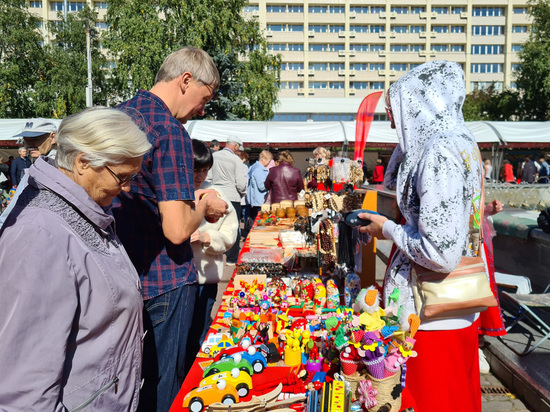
(505, 367)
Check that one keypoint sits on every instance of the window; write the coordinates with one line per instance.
(513, 85)
(457, 29)
(282, 85)
(359, 85)
(360, 66)
(413, 65)
(377, 9)
(486, 49)
(399, 48)
(276, 27)
(275, 9)
(110, 65)
(318, 28)
(318, 85)
(519, 29)
(440, 10)
(359, 47)
(418, 29)
(458, 10)
(359, 29)
(398, 67)
(497, 86)
(292, 66)
(77, 6)
(336, 47)
(290, 117)
(336, 66)
(377, 47)
(520, 10)
(250, 8)
(296, 47)
(336, 85)
(517, 47)
(486, 68)
(102, 5)
(400, 29)
(40, 24)
(101, 25)
(295, 9)
(440, 29)
(319, 67)
(418, 9)
(377, 85)
(359, 9)
(438, 47)
(318, 47)
(400, 10)
(56, 6)
(488, 11)
(317, 9)
(332, 117)
(515, 67)
(335, 28)
(417, 47)
(376, 66)
(295, 27)
(35, 4)
(457, 47)
(336, 9)
(295, 85)
(377, 29)
(276, 47)
(487, 30)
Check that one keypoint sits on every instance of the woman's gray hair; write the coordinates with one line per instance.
(104, 135)
(193, 60)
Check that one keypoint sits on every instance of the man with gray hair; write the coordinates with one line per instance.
(156, 219)
(229, 176)
(256, 190)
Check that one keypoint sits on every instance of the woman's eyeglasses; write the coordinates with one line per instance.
(121, 180)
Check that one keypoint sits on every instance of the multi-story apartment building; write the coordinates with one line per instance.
(335, 52)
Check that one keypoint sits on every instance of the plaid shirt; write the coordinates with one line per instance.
(166, 174)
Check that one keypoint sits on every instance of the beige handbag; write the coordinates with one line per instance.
(463, 291)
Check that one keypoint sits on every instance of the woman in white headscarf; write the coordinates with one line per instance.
(436, 173)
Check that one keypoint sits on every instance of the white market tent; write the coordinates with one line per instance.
(306, 134)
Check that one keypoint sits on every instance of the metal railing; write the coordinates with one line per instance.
(524, 196)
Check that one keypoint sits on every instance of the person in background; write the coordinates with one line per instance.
(39, 140)
(507, 174)
(209, 242)
(378, 173)
(544, 171)
(435, 177)
(284, 181)
(74, 325)
(214, 145)
(488, 169)
(244, 207)
(528, 171)
(18, 165)
(274, 161)
(160, 213)
(228, 175)
(256, 190)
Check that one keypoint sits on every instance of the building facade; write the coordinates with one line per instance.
(342, 49)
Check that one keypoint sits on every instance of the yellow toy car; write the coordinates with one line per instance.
(218, 391)
(236, 377)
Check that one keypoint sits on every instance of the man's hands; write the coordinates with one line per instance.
(375, 227)
(200, 237)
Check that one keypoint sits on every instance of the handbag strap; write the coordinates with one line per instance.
(481, 207)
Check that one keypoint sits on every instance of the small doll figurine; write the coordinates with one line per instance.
(352, 286)
(333, 296)
(398, 356)
(320, 297)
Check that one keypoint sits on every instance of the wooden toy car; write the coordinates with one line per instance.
(240, 380)
(206, 395)
(226, 365)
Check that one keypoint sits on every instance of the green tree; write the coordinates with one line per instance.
(62, 88)
(142, 33)
(533, 77)
(489, 104)
(20, 49)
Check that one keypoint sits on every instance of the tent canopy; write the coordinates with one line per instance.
(306, 134)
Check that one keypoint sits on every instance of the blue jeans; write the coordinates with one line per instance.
(202, 319)
(167, 320)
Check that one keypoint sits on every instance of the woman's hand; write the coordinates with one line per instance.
(493, 208)
(375, 227)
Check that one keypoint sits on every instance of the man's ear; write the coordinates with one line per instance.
(80, 164)
(185, 81)
(52, 135)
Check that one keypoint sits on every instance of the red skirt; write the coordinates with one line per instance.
(445, 375)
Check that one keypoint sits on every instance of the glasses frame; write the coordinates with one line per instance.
(121, 182)
(214, 93)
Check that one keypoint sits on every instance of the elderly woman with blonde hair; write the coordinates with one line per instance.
(72, 329)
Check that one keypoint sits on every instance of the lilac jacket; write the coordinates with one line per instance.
(71, 319)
